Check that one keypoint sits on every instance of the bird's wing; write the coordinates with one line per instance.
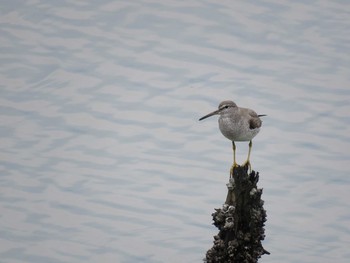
(252, 113)
(254, 121)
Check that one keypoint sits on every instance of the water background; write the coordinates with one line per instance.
(102, 156)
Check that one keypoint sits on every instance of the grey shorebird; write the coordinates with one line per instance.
(237, 124)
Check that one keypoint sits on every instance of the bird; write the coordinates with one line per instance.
(237, 124)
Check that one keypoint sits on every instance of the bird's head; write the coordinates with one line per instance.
(224, 107)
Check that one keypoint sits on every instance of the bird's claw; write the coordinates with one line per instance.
(234, 165)
(247, 164)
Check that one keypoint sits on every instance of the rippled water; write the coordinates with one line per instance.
(102, 155)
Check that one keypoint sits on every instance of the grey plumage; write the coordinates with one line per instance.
(237, 124)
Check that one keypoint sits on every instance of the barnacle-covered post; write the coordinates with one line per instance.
(240, 221)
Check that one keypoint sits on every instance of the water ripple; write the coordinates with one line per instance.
(102, 155)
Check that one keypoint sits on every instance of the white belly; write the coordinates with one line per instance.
(238, 130)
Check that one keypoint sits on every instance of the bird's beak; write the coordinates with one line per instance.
(210, 114)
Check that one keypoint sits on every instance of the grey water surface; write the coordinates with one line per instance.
(102, 156)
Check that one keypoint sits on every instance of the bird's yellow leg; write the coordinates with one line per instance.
(234, 165)
(247, 162)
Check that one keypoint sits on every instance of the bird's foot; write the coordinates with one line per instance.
(234, 165)
(247, 164)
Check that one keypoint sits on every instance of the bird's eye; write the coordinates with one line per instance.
(226, 107)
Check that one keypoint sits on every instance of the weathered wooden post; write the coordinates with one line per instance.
(240, 221)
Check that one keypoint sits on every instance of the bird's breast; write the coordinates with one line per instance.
(236, 129)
